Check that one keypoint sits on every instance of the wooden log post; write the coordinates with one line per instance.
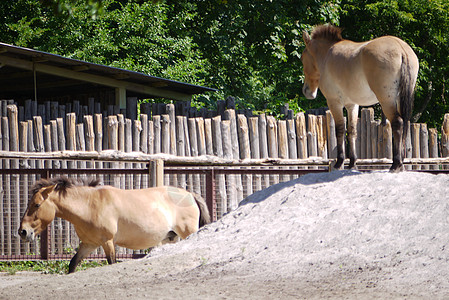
(374, 138)
(23, 147)
(433, 146)
(170, 110)
(150, 137)
(7, 187)
(282, 139)
(157, 133)
(112, 134)
(387, 140)
(321, 137)
(230, 115)
(180, 147)
(137, 129)
(208, 136)
(217, 142)
(144, 146)
(38, 138)
(283, 145)
(301, 135)
(121, 147)
(229, 202)
(254, 142)
(71, 136)
(263, 146)
(129, 181)
(272, 137)
(445, 139)
(415, 130)
(291, 139)
(90, 136)
(200, 135)
(424, 144)
(312, 142)
(54, 141)
(157, 172)
(47, 144)
(331, 135)
(31, 178)
(98, 130)
(245, 151)
(15, 179)
(193, 138)
(80, 143)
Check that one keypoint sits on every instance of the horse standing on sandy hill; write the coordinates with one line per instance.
(350, 74)
(107, 216)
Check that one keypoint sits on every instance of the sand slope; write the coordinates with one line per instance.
(335, 235)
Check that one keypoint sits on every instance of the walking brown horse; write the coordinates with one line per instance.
(107, 216)
(349, 74)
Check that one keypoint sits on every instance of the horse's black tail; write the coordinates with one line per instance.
(406, 95)
(204, 211)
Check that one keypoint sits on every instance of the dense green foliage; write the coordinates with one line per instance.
(247, 49)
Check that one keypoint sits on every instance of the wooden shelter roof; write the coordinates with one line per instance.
(25, 73)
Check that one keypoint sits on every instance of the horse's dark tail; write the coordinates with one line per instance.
(406, 95)
(204, 211)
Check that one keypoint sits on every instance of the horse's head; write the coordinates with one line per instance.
(317, 46)
(40, 212)
(311, 72)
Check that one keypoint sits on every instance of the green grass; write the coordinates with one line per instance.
(46, 267)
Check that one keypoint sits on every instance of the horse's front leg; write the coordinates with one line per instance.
(353, 114)
(83, 251)
(337, 113)
(109, 250)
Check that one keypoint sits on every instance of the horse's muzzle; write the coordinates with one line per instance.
(26, 235)
(308, 93)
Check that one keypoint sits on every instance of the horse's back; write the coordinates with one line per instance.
(386, 54)
(367, 72)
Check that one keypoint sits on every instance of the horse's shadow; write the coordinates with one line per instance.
(308, 179)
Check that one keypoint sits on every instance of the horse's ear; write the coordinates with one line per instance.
(306, 37)
(47, 190)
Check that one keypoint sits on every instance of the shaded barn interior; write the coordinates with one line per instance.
(27, 74)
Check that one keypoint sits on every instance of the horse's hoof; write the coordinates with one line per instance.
(397, 168)
(338, 165)
(353, 167)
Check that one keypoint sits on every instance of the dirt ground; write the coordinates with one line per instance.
(339, 235)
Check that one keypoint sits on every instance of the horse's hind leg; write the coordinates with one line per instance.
(83, 251)
(397, 127)
(109, 250)
(353, 113)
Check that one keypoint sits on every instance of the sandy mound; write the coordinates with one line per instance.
(339, 234)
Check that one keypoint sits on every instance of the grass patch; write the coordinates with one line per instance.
(46, 267)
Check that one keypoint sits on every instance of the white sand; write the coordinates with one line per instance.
(332, 235)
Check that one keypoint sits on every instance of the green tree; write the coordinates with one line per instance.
(253, 47)
(128, 34)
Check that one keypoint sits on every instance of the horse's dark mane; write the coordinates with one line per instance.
(63, 183)
(328, 32)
